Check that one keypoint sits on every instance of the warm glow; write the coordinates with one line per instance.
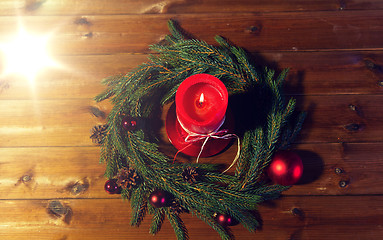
(201, 100)
(25, 54)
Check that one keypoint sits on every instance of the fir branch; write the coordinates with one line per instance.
(289, 109)
(290, 133)
(111, 82)
(223, 232)
(177, 224)
(282, 76)
(246, 218)
(214, 177)
(157, 220)
(175, 31)
(139, 206)
(246, 153)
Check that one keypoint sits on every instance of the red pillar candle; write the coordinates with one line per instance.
(200, 108)
(201, 103)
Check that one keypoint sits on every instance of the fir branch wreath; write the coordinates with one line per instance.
(133, 158)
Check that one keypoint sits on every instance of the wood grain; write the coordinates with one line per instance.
(311, 73)
(49, 122)
(100, 7)
(55, 172)
(51, 184)
(290, 217)
(133, 33)
(74, 172)
(349, 118)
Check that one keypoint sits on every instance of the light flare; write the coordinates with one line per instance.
(26, 54)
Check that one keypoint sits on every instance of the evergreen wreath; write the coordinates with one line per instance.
(133, 157)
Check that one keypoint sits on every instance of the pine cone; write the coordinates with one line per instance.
(98, 133)
(190, 174)
(127, 178)
(177, 208)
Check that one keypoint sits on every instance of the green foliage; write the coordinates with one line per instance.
(158, 219)
(151, 85)
(177, 224)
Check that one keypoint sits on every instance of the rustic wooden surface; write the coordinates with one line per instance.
(51, 184)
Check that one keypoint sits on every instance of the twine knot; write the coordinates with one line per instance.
(193, 137)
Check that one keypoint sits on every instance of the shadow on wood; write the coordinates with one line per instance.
(312, 166)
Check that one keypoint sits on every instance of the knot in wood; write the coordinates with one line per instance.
(352, 127)
(369, 64)
(339, 170)
(26, 178)
(343, 183)
(253, 29)
(342, 5)
(372, 66)
(82, 21)
(88, 35)
(298, 213)
(97, 112)
(78, 188)
(352, 107)
(57, 209)
(34, 5)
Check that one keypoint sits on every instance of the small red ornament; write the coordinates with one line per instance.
(225, 220)
(286, 168)
(159, 198)
(129, 123)
(111, 186)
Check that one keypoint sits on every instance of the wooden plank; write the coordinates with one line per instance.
(77, 77)
(349, 118)
(324, 73)
(269, 31)
(59, 172)
(101, 7)
(353, 118)
(311, 73)
(271, 6)
(74, 172)
(49, 122)
(357, 217)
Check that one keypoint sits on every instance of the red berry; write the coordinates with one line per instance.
(129, 123)
(111, 187)
(159, 198)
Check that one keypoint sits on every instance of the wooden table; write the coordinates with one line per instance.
(51, 185)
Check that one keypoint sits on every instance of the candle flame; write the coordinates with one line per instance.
(201, 99)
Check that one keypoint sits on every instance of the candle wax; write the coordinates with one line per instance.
(202, 108)
(201, 102)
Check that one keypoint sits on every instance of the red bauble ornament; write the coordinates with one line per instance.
(286, 168)
(159, 198)
(129, 123)
(111, 187)
(225, 220)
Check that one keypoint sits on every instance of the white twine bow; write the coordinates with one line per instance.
(216, 134)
